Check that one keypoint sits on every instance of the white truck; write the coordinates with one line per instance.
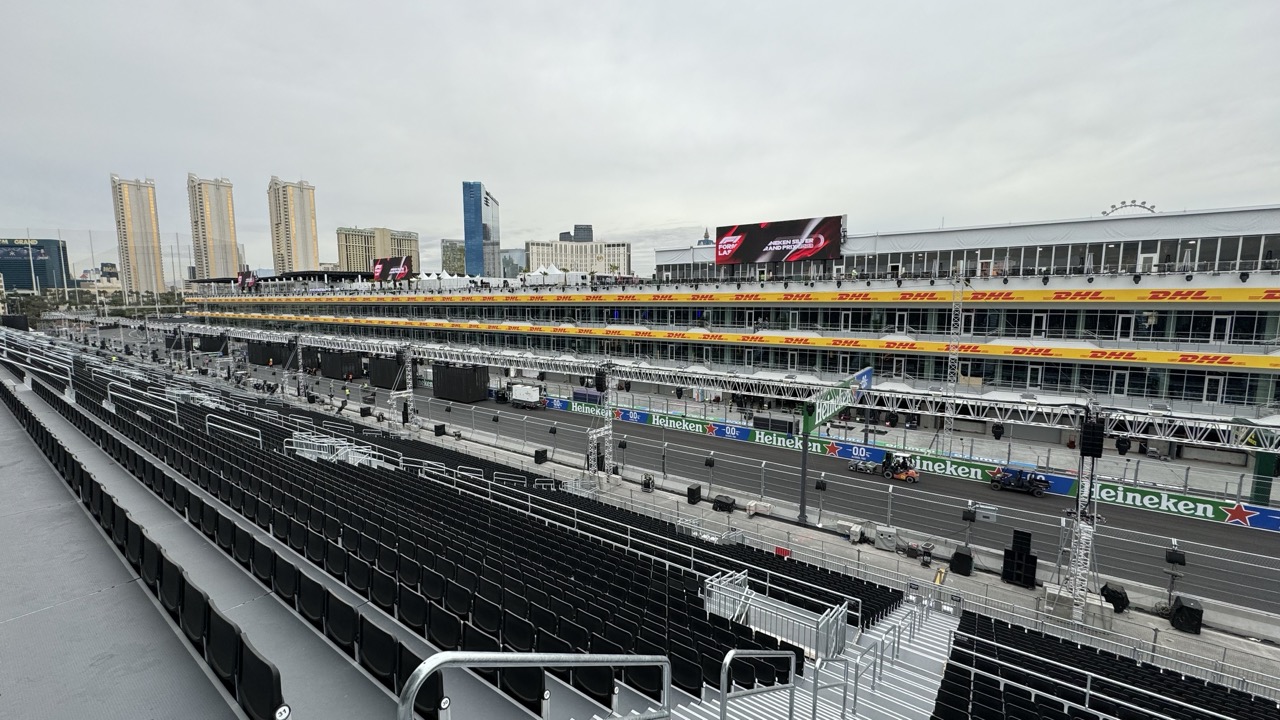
(526, 396)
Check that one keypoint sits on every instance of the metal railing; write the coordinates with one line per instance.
(843, 685)
(726, 695)
(440, 661)
(1092, 679)
(1179, 661)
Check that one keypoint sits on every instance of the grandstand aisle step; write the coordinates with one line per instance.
(908, 688)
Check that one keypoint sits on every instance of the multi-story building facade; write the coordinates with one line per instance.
(514, 262)
(137, 235)
(481, 232)
(213, 227)
(295, 242)
(1176, 314)
(604, 258)
(453, 256)
(583, 233)
(359, 247)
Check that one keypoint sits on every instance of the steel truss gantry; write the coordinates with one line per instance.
(1138, 424)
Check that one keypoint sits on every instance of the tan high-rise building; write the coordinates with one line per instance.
(213, 228)
(453, 256)
(294, 242)
(138, 235)
(359, 247)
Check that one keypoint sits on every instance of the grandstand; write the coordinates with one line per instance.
(377, 552)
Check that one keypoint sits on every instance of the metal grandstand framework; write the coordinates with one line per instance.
(1153, 424)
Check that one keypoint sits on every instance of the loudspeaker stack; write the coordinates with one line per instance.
(1187, 615)
(1019, 564)
(694, 493)
(1091, 438)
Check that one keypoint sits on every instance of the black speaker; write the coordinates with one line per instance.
(969, 515)
(962, 561)
(679, 393)
(646, 484)
(366, 412)
(439, 430)
(694, 494)
(1116, 595)
(709, 462)
(1175, 557)
(1019, 569)
(601, 381)
(311, 398)
(724, 503)
(1022, 541)
(404, 412)
(820, 486)
(1187, 615)
(1092, 435)
(539, 456)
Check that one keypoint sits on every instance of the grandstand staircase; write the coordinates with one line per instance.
(907, 686)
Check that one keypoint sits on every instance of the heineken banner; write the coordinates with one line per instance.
(1225, 511)
(1233, 513)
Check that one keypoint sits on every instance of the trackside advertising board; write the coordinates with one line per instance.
(1155, 500)
(785, 241)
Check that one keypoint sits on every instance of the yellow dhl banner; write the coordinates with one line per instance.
(1136, 357)
(1118, 295)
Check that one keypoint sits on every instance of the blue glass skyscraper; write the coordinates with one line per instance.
(480, 237)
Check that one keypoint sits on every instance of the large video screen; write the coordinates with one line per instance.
(247, 280)
(785, 241)
(392, 269)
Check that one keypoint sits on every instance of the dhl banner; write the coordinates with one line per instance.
(1135, 357)
(892, 297)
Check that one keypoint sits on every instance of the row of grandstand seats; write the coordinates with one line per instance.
(342, 537)
(245, 673)
(355, 633)
(770, 573)
(1001, 671)
(877, 601)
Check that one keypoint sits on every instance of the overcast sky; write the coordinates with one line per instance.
(649, 120)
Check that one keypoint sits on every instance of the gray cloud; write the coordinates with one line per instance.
(649, 120)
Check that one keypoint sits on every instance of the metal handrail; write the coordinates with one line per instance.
(249, 432)
(452, 658)
(844, 685)
(736, 653)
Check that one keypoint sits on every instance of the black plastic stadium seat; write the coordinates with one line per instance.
(427, 702)
(444, 629)
(340, 623)
(223, 648)
(263, 560)
(411, 610)
(382, 590)
(258, 684)
(378, 652)
(284, 581)
(195, 614)
(170, 585)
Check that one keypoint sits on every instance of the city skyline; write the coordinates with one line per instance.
(991, 114)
